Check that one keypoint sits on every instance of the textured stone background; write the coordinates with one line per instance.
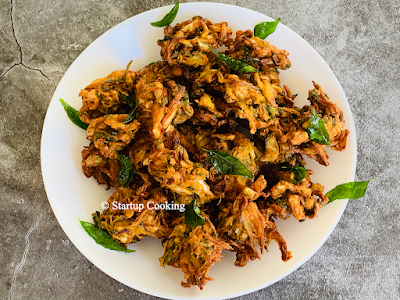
(360, 40)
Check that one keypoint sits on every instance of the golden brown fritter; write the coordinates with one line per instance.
(109, 134)
(249, 102)
(104, 169)
(174, 170)
(257, 52)
(332, 116)
(301, 199)
(103, 96)
(241, 225)
(194, 251)
(190, 40)
(162, 102)
(133, 224)
(288, 135)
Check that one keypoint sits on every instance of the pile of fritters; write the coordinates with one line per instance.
(191, 101)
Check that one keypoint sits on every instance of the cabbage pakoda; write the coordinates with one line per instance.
(168, 118)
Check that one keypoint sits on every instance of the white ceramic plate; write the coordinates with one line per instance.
(73, 196)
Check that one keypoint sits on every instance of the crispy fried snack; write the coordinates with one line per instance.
(194, 251)
(257, 52)
(109, 134)
(131, 225)
(189, 102)
(190, 40)
(104, 169)
(242, 225)
(103, 96)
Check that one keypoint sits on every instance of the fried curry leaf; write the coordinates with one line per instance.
(317, 130)
(127, 170)
(193, 215)
(133, 104)
(103, 238)
(228, 164)
(122, 79)
(128, 99)
(299, 172)
(236, 65)
(264, 29)
(349, 190)
(130, 117)
(169, 17)
(73, 115)
(126, 71)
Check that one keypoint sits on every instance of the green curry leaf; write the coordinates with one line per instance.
(126, 71)
(193, 215)
(130, 117)
(103, 238)
(264, 29)
(349, 190)
(127, 170)
(133, 104)
(73, 115)
(317, 130)
(236, 65)
(228, 164)
(299, 172)
(122, 79)
(169, 17)
(128, 99)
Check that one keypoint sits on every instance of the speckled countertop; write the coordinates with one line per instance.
(360, 40)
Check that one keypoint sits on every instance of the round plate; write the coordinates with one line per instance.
(72, 196)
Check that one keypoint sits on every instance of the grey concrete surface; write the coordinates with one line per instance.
(360, 40)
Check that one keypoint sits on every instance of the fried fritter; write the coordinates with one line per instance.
(131, 225)
(190, 40)
(104, 169)
(257, 52)
(242, 225)
(103, 96)
(163, 103)
(194, 251)
(109, 134)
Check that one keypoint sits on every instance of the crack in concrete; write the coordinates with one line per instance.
(25, 66)
(9, 69)
(20, 50)
(13, 30)
(27, 244)
(23, 259)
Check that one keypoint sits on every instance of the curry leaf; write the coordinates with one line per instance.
(103, 238)
(130, 117)
(133, 104)
(73, 115)
(169, 17)
(264, 29)
(317, 130)
(349, 190)
(228, 164)
(126, 71)
(193, 215)
(122, 79)
(236, 65)
(299, 172)
(128, 99)
(127, 170)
